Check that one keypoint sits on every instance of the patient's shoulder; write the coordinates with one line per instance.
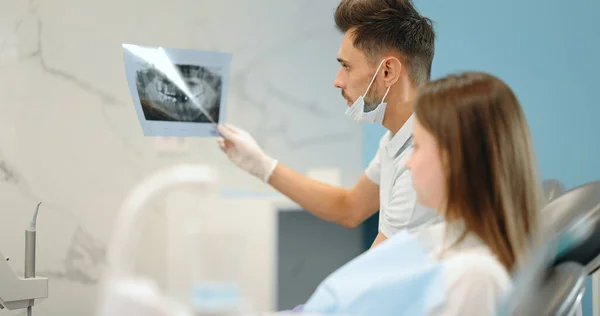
(475, 282)
(476, 269)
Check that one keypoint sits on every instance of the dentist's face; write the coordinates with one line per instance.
(355, 74)
(427, 169)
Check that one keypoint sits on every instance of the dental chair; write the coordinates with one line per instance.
(581, 202)
(563, 290)
(555, 292)
(543, 288)
(553, 283)
(580, 207)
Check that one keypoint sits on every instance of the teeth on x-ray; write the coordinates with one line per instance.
(163, 100)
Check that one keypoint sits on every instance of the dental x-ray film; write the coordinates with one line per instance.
(177, 92)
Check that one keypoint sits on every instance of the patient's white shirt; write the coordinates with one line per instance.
(475, 279)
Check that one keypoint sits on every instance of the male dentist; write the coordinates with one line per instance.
(385, 56)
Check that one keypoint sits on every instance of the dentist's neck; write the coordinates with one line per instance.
(399, 109)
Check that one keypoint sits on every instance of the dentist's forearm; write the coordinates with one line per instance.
(323, 200)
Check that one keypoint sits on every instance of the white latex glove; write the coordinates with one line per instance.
(242, 150)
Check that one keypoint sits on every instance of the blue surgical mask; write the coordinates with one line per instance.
(357, 110)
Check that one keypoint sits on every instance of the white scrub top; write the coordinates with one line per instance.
(398, 208)
(475, 279)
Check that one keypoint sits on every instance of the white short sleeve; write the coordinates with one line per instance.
(475, 284)
(373, 171)
(401, 207)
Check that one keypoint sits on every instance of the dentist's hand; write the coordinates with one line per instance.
(242, 150)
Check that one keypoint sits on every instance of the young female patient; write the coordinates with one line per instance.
(472, 161)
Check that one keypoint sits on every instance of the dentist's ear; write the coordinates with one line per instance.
(392, 71)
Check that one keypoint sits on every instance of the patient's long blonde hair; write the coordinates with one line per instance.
(491, 177)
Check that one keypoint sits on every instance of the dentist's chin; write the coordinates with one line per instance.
(347, 99)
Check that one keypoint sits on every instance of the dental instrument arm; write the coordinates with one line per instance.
(122, 292)
(21, 292)
(30, 238)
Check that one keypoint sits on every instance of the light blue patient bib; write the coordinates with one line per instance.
(395, 278)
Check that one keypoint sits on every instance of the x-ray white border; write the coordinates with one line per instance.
(179, 56)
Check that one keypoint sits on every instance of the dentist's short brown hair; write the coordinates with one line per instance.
(379, 26)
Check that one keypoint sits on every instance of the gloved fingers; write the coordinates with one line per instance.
(221, 142)
(238, 131)
(235, 129)
(225, 144)
(226, 132)
(229, 144)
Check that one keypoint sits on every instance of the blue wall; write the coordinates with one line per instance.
(548, 52)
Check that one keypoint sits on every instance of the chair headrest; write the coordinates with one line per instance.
(575, 209)
(582, 201)
(586, 253)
